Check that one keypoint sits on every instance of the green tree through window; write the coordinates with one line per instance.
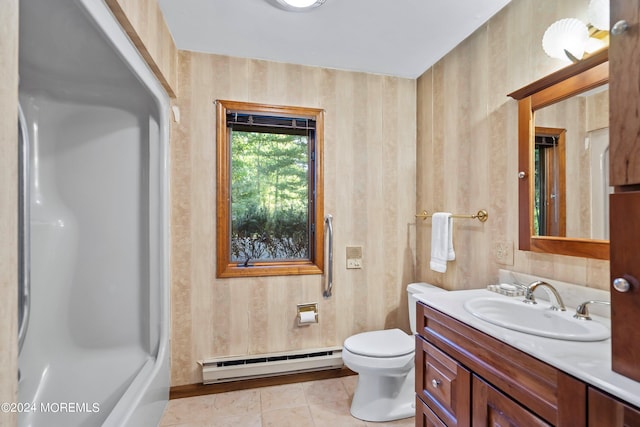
(270, 196)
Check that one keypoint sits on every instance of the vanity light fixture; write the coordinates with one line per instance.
(566, 39)
(569, 38)
(299, 5)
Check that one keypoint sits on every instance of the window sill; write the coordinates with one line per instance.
(264, 269)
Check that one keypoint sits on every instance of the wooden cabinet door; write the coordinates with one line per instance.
(624, 95)
(624, 172)
(607, 411)
(625, 263)
(492, 408)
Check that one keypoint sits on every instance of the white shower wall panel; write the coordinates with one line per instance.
(90, 252)
(94, 158)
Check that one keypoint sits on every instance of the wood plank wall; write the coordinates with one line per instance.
(144, 23)
(467, 147)
(369, 189)
(8, 207)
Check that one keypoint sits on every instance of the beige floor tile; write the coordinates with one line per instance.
(233, 421)
(288, 417)
(249, 420)
(405, 422)
(188, 410)
(242, 402)
(350, 383)
(282, 396)
(312, 404)
(335, 414)
(210, 423)
(325, 391)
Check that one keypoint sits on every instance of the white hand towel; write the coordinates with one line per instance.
(441, 241)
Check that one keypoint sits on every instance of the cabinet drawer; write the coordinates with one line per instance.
(608, 411)
(425, 416)
(443, 384)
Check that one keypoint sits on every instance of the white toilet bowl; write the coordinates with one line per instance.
(385, 363)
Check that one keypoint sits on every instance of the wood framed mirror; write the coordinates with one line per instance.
(556, 214)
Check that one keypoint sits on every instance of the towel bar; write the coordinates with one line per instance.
(481, 216)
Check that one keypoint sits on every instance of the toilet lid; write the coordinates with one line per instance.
(387, 343)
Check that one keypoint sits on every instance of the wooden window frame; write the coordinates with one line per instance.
(226, 268)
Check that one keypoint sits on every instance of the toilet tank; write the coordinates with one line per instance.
(412, 290)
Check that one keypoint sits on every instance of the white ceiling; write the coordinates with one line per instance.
(394, 37)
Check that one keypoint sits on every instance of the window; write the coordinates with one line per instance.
(269, 190)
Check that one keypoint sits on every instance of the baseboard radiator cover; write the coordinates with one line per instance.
(225, 369)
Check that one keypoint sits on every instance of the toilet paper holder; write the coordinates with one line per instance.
(307, 314)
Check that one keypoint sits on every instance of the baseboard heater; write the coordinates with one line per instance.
(225, 369)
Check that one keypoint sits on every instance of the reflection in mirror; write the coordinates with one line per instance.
(600, 188)
(570, 178)
(549, 207)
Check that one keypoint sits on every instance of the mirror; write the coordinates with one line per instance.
(563, 135)
(570, 167)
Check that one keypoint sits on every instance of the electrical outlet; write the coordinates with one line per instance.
(354, 263)
(354, 257)
(503, 251)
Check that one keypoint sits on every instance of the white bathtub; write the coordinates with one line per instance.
(96, 347)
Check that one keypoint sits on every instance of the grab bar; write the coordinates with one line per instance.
(24, 244)
(329, 282)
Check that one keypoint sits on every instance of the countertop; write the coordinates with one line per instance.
(588, 361)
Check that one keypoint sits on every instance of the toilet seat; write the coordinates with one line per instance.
(383, 344)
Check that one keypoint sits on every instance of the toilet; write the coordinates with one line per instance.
(384, 361)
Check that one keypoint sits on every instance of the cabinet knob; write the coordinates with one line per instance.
(436, 383)
(619, 27)
(621, 285)
(522, 174)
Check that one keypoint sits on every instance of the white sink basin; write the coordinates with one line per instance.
(536, 319)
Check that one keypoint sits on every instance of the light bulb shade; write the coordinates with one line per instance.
(599, 14)
(299, 5)
(570, 35)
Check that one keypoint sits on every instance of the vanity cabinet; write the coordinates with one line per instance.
(482, 381)
(465, 377)
(624, 167)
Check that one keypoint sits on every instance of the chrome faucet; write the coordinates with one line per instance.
(582, 311)
(530, 299)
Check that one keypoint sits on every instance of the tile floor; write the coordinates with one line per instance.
(309, 404)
